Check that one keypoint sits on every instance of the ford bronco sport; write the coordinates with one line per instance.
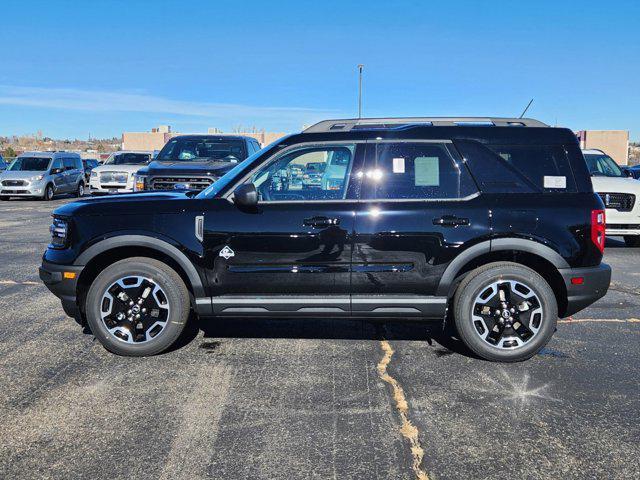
(490, 223)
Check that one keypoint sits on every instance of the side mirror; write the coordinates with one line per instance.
(246, 195)
(55, 171)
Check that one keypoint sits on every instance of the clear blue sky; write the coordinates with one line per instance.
(73, 68)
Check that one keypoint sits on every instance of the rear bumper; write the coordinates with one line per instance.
(595, 285)
(52, 275)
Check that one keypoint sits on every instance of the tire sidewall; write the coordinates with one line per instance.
(47, 189)
(466, 298)
(177, 316)
(80, 190)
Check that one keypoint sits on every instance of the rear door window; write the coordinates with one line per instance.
(546, 166)
(407, 170)
(69, 163)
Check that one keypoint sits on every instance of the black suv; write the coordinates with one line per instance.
(491, 223)
(193, 162)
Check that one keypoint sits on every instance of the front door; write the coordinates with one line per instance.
(420, 209)
(292, 254)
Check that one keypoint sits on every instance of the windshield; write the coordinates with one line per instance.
(203, 149)
(30, 164)
(128, 159)
(602, 165)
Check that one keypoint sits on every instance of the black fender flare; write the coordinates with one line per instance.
(153, 243)
(496, 245)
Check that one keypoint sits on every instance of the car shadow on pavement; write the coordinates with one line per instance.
(443, 339)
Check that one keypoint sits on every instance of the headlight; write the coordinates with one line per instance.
(37, 178)
(139, 183)
(59, 230)
(94, 174)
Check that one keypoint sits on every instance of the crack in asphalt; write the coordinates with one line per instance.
(599, 320)
(622, 289)
(408, 430)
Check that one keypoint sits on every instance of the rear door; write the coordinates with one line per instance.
(421, 208)
(70, 173)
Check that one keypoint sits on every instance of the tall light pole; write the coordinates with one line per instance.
(360, 67)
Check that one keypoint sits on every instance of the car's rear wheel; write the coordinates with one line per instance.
(48, 193)
(80, 190)
(632, 240)
(505, 312)
(137, 307)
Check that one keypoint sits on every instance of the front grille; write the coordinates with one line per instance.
(180, 183)
(14, 183)
(118, 178)
(623, 226)
(623, 202)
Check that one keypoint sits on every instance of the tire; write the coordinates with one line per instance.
(48, 193)
(80, 190)
(632, 240)
(476, 329)
(174, 313)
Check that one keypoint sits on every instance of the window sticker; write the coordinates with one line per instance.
(398, 165)
(555, 181)
(427, 171)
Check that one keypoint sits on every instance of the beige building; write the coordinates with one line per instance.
(614, 143)
(157, 137)
(153, 140)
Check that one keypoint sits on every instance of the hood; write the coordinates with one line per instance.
(18, 175)
(118, 168)
(142, 203)
(615, 185)
(212, 168)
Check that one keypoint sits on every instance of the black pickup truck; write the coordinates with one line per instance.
(193, 162)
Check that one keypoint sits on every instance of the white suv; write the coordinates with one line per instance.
(620, 194)
(117, 173)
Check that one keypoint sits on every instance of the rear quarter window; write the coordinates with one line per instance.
(546, 166)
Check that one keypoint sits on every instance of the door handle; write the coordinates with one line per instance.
(321, 222)
(450, 221)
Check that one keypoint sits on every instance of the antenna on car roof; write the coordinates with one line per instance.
(526, 108)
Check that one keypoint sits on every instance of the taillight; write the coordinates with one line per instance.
(598, 229)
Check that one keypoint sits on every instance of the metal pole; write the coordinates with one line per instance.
(360, 67)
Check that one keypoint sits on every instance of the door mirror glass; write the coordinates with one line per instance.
(246, 195)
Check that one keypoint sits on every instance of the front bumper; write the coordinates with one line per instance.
(622, 229)
(52, 275)
(30, 190)
(595, 285)
(110, 190)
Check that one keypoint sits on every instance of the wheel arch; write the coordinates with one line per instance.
(113, 249)
(540, 258)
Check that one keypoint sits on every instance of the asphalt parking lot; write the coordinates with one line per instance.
(288, 399)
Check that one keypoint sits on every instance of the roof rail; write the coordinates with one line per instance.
(398, 122)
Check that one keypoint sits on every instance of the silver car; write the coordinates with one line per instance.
(43, 175)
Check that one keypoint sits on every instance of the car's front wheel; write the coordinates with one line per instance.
(137, 307)
(48, 193)
(505, 312)
(632, 240)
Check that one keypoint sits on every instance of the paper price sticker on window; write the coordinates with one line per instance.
(398, 165)
(555, 182)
